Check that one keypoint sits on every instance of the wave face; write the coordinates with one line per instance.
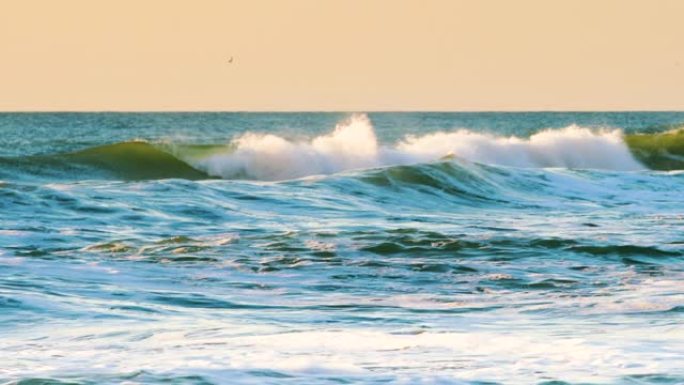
(392, 248)
(135, 160)
(660, 151)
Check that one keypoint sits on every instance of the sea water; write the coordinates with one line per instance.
(333, 248)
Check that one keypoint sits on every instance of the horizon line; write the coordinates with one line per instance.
(152, 111)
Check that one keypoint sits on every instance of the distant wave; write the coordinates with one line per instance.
(353, 145)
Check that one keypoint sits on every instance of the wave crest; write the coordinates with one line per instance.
(570, 147)
(354, 145)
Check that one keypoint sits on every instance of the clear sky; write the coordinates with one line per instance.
(354, 55)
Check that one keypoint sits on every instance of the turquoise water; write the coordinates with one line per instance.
(305, 248)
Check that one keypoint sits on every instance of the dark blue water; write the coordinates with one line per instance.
(304, 248)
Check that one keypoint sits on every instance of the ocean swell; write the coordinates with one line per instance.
(354, 145)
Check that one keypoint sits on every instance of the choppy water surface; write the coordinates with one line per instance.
(411, 248)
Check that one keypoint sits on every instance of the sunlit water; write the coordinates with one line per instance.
(333, 248)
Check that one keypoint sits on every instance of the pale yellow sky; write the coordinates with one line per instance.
(359, 55)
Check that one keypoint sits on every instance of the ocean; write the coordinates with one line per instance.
(339, 248)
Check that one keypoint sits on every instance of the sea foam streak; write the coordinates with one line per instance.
(354, 145)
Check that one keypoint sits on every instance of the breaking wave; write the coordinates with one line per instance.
(353, 145)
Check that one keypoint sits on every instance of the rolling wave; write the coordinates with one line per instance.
(135, 160)
(353, 145)
(662, 151)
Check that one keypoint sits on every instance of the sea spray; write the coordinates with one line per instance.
(570, 147)
(353, 145)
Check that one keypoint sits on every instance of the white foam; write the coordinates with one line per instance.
(354, 145)
(531, 337)
(208, 347)
(570, 147)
